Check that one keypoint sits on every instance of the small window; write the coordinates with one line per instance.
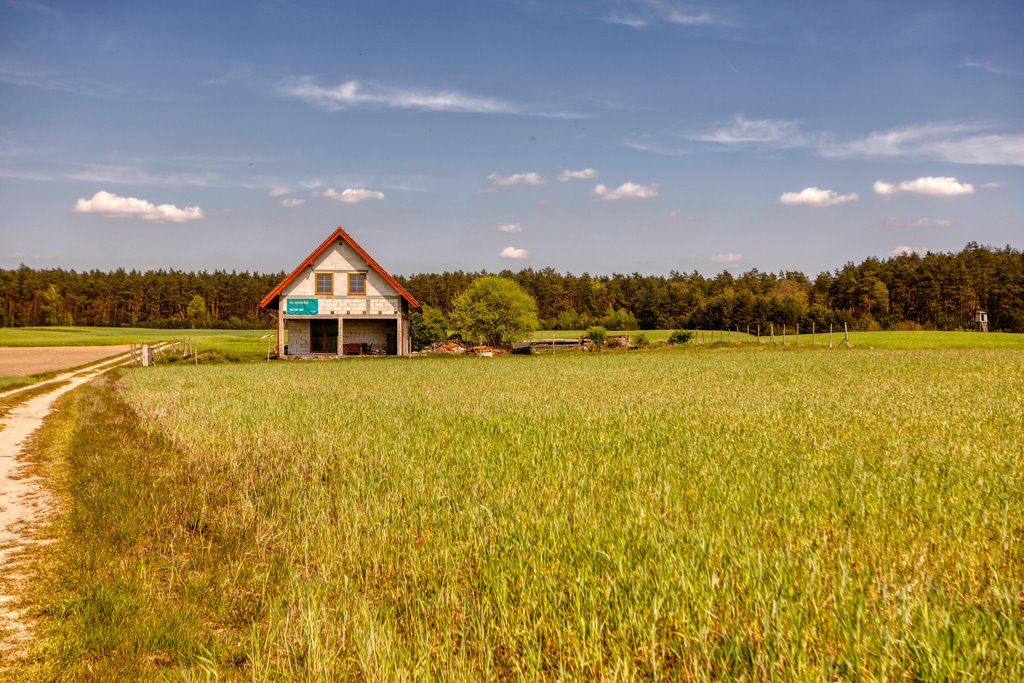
(356, 284)
(325, 284)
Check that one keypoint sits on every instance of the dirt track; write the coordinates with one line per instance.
(33, 360)
(24, 504)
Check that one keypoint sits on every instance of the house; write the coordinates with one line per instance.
(339, 301)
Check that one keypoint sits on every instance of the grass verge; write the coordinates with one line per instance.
(140, 583)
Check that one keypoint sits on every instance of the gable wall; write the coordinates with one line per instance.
(340, 259)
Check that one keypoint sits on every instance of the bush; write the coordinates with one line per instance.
(428, 328)
(640, 340)
(597, 334)
(680, 337)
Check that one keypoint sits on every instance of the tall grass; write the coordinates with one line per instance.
(671, 516)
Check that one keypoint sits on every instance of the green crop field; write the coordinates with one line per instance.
(797, 514)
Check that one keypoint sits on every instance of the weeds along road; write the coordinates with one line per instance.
(24, 503)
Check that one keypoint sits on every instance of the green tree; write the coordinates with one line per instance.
(428, 328)
(53, 307)
(495, 310)
(196, 310)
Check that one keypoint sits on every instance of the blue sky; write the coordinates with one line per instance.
(601, 136)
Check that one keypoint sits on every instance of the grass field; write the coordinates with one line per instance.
(223, 344)
(101, 336)
(878, 340)
(680, 516)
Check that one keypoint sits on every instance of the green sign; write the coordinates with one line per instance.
(303, 307)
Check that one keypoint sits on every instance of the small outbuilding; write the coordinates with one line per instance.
(339, 301)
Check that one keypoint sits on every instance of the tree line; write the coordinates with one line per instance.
(156, 298)
(932, 291)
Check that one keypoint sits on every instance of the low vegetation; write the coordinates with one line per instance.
(757, 514)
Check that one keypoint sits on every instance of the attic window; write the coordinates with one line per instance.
(325, 284)
(356, 284)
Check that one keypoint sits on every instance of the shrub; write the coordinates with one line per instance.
(597, 334)
(680, 337)
(640, 340)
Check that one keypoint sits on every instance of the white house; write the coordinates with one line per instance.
(339, 301)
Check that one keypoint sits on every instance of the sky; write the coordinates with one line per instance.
(593, 136)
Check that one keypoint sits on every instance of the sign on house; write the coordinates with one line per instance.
(303, 307)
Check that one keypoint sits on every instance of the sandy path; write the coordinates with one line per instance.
(24, 503)
(33, 360)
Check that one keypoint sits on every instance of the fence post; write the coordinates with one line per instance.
(830, 335)
(846, 334)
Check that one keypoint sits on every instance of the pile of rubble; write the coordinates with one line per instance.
(452, 347)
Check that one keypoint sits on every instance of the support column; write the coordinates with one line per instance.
(341, 337)
(280, 333)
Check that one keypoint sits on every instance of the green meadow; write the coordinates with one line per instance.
(708, 514)
(101, 336)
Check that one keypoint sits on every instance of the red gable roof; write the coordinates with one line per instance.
(337, 234)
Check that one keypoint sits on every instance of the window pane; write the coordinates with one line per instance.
(357, 283)
(324, 283)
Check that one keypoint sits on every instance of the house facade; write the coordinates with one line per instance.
(339, 302)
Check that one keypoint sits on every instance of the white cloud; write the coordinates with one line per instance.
(511, 227)
(627, 20)
(992, 184)
(988, 66)
(353, 93)
(626, 191)
(815, 196)
(936, 186)
(727, 258)
(958, 143)
(351, 195)
(514, 253)
(582, 174)
(917, 223)
(108, 204)
(647, 12)
(292, 202)
(904, 250)
(743, 131)
(647, 144)
(280, 191)
(954, 142)
(528, 178)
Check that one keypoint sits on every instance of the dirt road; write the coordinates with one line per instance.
(24, 503)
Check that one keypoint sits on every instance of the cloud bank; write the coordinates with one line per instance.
(115, 206)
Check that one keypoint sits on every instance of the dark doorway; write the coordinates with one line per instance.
(323, 336)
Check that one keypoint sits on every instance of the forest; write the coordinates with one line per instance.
(932, 291)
